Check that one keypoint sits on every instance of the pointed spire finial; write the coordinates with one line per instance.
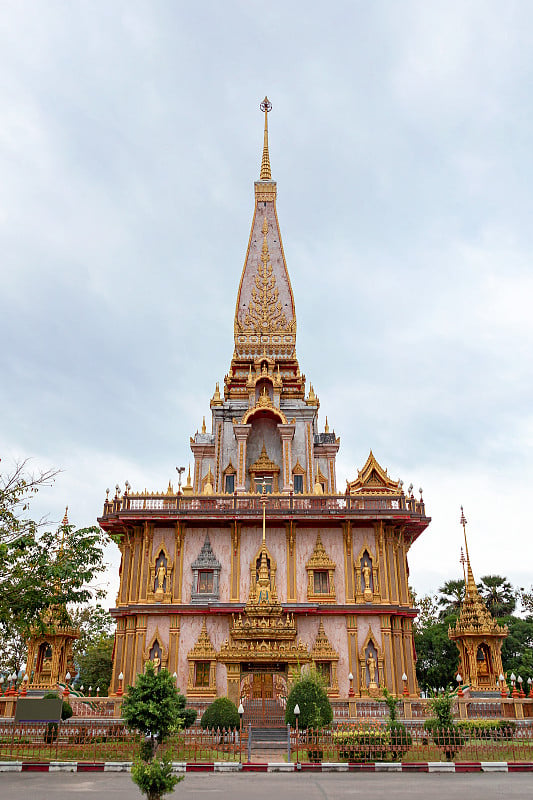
(266, 174)
(65, 518)
(204, 429)
(470, 583)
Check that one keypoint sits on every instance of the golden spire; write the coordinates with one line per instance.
(266, 174)
(470, 582)
(65, 518)
(326, 426)
(264, 502)
(204, 429)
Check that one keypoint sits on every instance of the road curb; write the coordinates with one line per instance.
(232, 767)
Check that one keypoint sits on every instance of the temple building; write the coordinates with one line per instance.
(477, 635)
(259, 565)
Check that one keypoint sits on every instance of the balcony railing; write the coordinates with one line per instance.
(252, 505)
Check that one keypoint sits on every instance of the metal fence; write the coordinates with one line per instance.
(95, 741)
(371, 742)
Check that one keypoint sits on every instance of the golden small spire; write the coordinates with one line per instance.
(266, 174)
(470, 582)
(264, 502)
(204, 429)
(326, 426)
(65, 518)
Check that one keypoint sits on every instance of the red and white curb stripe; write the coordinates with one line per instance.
(232, 766)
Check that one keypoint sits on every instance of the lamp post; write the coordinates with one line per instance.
(25, 680)
(2, 685)
(66, 691)
(459, 680)
(297, 714)
(82, 690)
(90, 690)
(351, 692)
(503, 689)
(521, 690)
(241, 713)
(120, 679)
(530, 684)
(514, 693)
(405, 689)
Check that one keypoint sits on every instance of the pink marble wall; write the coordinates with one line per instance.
(220, 539)
(190, 628)
(277, 546)
(335, 628)
(160, 625)
(365, 623)
(363, 537)
(333, 544)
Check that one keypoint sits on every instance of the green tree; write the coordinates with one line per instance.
(526, 599)
(309, 693)
(451, 596)
(437, 656)
(93, 623)
(13, 647)
(517, 648)
(40, 568)
(153, 706)
(498, 594)
(96, 665)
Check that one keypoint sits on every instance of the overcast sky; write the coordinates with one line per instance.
(401, 141)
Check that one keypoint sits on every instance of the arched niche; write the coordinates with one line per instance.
(160, 576)
(366, 576)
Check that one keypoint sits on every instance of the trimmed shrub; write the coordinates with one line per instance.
(222, 713)
(488, 728)
(154, 777)
(189, 717)
(309, 693)
(363, 744)
(400, 740)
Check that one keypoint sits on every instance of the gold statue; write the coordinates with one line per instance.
(157, 662)
(367, 572)
(161, 575)
(371, 664)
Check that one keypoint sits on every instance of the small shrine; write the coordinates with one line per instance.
(477, 635)
(50, 657)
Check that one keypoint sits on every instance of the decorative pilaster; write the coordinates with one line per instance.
(241, 434)
(179, 539)
(173, 643)
(235, 566)
(353, 658)
(286, 432)
(348, 562)
(386, 638)
(290, 534)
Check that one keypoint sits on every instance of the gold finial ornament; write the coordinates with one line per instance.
(266, 174)
(65, 518)
(326, 426)
(204, 429)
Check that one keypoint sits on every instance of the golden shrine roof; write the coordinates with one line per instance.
(372, 477)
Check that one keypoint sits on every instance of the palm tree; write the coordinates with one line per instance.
(451, 596)
(498, 594)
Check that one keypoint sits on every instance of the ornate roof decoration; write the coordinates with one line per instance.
(206, 559)
(203, 650)
(373, 478)
(265, 313)
(266, 173)
(264, 463)
(319, 558)
(322, 649)
(474, 618)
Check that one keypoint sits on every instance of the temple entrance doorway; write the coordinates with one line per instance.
(263, 693)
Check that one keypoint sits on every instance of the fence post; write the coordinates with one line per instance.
(249, 742)
(518, 709)
(288, 743)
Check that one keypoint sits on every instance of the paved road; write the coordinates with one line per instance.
(211, 786)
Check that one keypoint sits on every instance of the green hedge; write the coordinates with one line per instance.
(222, 713)
(488, 728)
